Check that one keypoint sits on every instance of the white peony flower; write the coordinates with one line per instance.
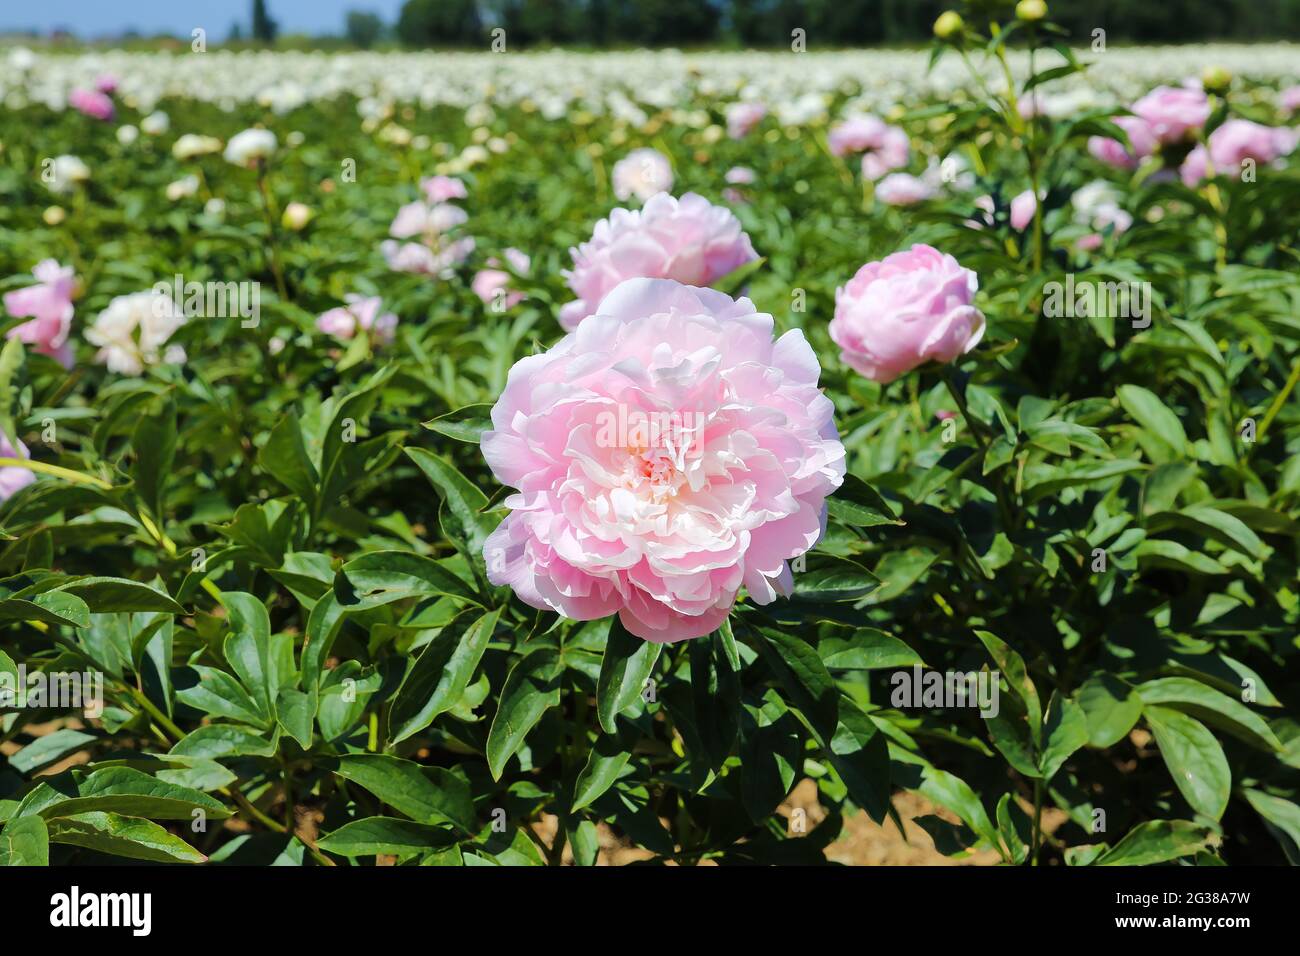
(191, 145)
(128, 134)
(156, 123)
(133, 331)
(250, 147)
(64, 172)
(182, 188)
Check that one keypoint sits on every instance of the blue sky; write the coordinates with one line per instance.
(89, 18)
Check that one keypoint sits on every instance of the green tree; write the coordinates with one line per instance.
(440, 23)
(264, 28)
(363, 28)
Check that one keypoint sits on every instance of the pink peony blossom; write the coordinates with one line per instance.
(1113, 153)
(1289, 100)
(856, 134)
(91, 102)
(686, 239)
(665, 454)
(741, 176)
(426, 221)
(642, 173)
(493, 285)
(106, 83)
(421, 259)
(743, 117)
(892, 153)
(49, 304)
(907, 309)
(1173, 113)
(1231, 145)
(361, 312)
(13, 477)
(1023, 208)
(443, 188)
(903, 189)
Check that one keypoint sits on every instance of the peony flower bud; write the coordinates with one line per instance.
(911, 307)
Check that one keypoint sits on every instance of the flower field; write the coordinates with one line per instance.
(528, 458)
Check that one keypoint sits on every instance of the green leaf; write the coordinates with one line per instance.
(215, 741)
(425, 794)
(857, 503)
(126, 836)
(1012, 666)
(373, 835)
(264, 664)
(296, 712)
(833, 579)
(1162, 553)
(1155, 841)
(285, 457)
(106, 595)
(1283, 816)
(860, 755)
(1205, 703)
(154, 444)
(624, 670)
(45, 750)
(1111, 708)
(715, 697)
(128, 791)
(609, 755)
(464, 500)
(804, 678)
(466, 424)
(532, 687)
(439, 676)
(25, 842)
(1155, 417)
(868, 649)
(1065, 730)
(1194, 758)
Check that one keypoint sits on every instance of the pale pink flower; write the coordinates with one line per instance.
(892, 153)
(666, 454)
(740, 176)
(856, 134)
(1173, 113)
(642, 173)
(361, 312)
(426, 221)
(13, 477)
(1289, 100)
(443, 188)
(49, 305)
(903, 189)
(106, 83)
(909, 308)
(91, 102)
(1113, 153)
(419, 258)
(493, 284)
(743, 117)
(1023, 208)
(686, 239)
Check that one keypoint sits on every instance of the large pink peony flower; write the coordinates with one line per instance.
(1173, 112)
(686, 239)
(49, 304)
(91, 102)
(1113, 153)
(666, 454)
(909, 308)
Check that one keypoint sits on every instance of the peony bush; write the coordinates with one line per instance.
(559, 459)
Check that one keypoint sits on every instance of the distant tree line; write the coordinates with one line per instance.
(770, 23)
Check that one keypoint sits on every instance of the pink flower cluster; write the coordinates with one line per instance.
(360, 313)
(662, 526)
(883, 147)
(1232, 144)
(492, 285)
(1167, 116)
(429, 226)
(687, 239)
(49, 305)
